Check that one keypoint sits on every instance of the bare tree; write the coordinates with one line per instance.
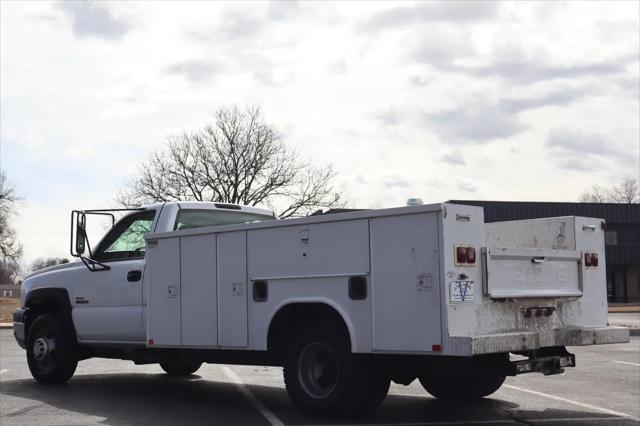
(42, 262)
(9, 271)
(626, 192)
(594, 194)
(10, 248)
(237, 159)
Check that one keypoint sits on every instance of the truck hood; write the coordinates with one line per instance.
(53, 276)
(52, 268)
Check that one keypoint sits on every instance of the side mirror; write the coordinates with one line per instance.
(81, 234)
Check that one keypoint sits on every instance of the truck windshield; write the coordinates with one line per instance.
(126, 238)
(189, 219)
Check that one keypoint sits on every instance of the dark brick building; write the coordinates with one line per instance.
(622, 237)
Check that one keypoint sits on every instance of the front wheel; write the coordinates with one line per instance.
(180, 367)
(50, 350)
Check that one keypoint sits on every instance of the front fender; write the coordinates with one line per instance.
(48, 300)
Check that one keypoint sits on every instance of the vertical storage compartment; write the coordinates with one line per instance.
(198, 295)
(406, 282)
(232, 289)
(162, 287)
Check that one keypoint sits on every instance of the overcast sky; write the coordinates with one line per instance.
(455, 100)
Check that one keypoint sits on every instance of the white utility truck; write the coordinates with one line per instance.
(344, 302)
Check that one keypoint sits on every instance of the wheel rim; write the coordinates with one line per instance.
(44, 350)
(318, 370)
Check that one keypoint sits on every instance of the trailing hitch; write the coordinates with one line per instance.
(547, 361)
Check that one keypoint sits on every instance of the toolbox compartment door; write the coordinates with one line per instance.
(406, 290)
(532, 272)
(232, 290)
(162, 284)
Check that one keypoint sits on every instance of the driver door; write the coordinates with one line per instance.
(107, 305)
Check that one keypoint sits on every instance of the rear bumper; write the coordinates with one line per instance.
(528, 340)
(19, 319)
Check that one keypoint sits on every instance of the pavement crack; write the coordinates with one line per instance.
(24, 410)
(512, 415)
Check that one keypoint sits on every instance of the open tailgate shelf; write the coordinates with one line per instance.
(532, 272)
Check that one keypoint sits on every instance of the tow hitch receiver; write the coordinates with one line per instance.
(547, 361)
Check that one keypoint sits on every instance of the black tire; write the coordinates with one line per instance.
(376, 390)
(51, 350)
(465, 387)
(325, 379)
(492, 384)
(180, 367)
(470, 382)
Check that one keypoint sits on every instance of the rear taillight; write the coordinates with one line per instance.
(465, 255)
(591, 260)
(461, 255)
(471, 255)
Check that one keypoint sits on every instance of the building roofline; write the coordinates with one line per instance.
(576, 203)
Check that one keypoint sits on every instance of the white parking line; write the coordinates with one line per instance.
(484, 422)
(627, 363)
(451, 423)
(576, 419)
(579, 404)
(3, 371)
(266, 413)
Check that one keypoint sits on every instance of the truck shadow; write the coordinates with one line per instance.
(154, 399)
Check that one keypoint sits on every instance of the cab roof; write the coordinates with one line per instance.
(211, 205)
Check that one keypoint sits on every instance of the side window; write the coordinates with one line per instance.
(126, 238)
(189, 219)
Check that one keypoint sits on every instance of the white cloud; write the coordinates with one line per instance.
(476, 121)
(454, 158)
(93, 19)
(423, 12)
(196, 70)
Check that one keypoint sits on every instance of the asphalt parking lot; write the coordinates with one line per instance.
(604, 389)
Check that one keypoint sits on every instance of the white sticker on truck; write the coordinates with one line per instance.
(461, 291)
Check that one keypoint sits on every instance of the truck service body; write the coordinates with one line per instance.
(345, 302)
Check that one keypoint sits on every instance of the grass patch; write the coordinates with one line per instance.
(7, 307)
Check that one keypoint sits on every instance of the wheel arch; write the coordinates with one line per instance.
(49, 300)
(292, 314)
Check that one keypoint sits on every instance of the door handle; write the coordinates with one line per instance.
(133, 276)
